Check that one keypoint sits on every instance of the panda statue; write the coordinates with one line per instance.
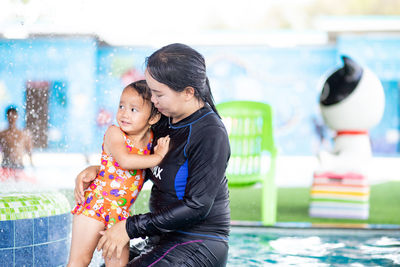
(352, 101)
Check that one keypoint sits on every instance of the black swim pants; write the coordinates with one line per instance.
(181, 250)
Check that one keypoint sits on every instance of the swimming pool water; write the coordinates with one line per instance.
(313, 247)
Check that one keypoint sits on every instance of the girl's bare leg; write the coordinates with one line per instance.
(85, 236)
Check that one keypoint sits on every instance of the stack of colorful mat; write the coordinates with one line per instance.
(336, 195)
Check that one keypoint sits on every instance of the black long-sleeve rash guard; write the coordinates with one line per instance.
(190, 191)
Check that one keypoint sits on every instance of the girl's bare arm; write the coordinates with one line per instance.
(115, 145)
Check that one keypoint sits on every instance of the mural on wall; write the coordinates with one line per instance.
(287, 79)
(63, 67)
(104, 118)
(290, 80)
(123, 68)
(385, 136)
(85, 80)
(117, 68)
(58, 107)
(4, 97)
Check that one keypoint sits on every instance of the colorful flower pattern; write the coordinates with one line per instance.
(114, 190)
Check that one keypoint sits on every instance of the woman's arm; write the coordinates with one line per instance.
(115, 145)
(83, 181)
(207, 161)
(114, 239)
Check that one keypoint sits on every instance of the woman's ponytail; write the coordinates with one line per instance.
(208, 97)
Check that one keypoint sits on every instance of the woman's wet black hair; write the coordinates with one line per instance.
(179, 66)
(143, 90)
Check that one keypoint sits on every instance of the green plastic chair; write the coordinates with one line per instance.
(249, 125)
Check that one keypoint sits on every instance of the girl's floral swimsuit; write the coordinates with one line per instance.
(114, 190)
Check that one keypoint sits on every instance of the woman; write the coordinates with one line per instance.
(189, 216)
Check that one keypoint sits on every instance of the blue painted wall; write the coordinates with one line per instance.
(69, 65)
(286, 78)
(87, 79)
(117, 67)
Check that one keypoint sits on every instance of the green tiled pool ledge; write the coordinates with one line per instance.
(16, 206)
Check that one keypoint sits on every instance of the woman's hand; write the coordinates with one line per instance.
(162, 146)
(83, 181)
(113, 239)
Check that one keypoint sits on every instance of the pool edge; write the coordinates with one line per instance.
(308, 225)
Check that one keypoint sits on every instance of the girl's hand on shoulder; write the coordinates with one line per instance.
(162, 146)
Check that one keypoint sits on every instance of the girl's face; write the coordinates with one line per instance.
(167, 101)
(133, 112)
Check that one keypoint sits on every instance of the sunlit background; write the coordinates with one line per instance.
(126, 22)
(80, 54)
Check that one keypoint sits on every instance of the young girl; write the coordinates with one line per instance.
(126, 152)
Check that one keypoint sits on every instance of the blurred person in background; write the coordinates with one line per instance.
(14, 145)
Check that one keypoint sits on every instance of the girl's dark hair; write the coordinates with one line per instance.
(143, 90)
(179, 66)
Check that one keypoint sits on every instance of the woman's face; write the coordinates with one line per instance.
(167, 101)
